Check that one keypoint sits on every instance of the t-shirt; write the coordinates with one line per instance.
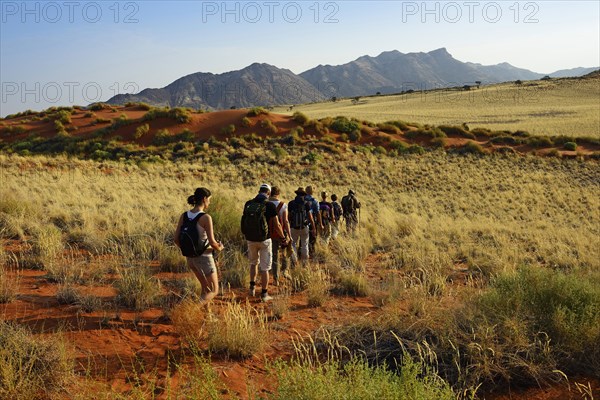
(326, 211)
(284, 207)
(314, 204)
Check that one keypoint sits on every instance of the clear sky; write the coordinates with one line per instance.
(77, 52)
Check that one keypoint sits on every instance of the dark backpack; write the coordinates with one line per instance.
(189, 239)
(348, 204)
(297, 214)
(254, 221)
(337, 209)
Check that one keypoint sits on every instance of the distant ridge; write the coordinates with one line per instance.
(389, 72)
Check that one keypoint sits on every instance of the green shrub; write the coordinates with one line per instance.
(313, 157)
(269, 126)
(297, 131)
(422, 133)
(344, 125)
(355, 136)
(539, 141)
(300, 118)
(471, 148)
(509, 140)
(179, 114)
(571, 146)
(279, 152)
(256, 111)
(246, 122)
(457, 131)
(228, 130)
(141, 131)
(307, 377)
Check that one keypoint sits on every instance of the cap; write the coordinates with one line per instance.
(265, 186)
(351, 191)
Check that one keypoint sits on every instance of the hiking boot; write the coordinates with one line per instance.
(265, 297)
(252, 291)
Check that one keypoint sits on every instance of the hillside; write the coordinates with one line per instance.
(257, 84)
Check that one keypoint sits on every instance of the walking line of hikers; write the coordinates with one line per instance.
(276, 233)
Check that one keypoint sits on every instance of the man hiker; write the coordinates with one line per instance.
(279, 242)
(260, 214)
(337, 215)
(314, 208)
(301, 221)
(350, 208)
(327, 217)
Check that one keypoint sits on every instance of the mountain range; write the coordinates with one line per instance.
(390, 72)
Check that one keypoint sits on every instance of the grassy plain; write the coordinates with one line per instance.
(569, 107)
(457, 253)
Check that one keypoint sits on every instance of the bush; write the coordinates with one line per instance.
(279, 152)
(355, 136)
(269, 126)
(228, 130)
(308, 377)
(509, 140)
(571, 146)
(246, 122)
(471, 148)
(456, 130)
(31, 367)
(300, 118)
(539, 141)
(422, 133)
(256, 111)
(241, 332)
(344, 125)
(141, 131)
(297, 131)
(180, 114)
(313, 157)
(137, 288)
(389, 128)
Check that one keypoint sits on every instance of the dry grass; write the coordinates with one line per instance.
(432, 215)
(240, 332)
(538, 107)
(189, 318)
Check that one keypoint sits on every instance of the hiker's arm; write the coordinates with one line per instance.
(286, 223)
(312, 222)
(206, 223)
(177, 230)
(275, 223)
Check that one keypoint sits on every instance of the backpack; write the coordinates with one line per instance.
(348, 204)
(337, 209)
(326, 213)
(274, 233)
(297, 214)
(254, 221)
(189, 239)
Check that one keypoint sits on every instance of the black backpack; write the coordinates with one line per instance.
(337, 209)
(348, 204)
(189, 239)
(297, 214)
(254, 221)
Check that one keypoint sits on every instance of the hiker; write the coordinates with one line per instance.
(280, 242)
(260, 214)
(337, 215)
(196, 239)
(350, 209)
(327, 217)
(301, 222)
(314, 208)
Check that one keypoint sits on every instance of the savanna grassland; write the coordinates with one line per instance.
(569, 107)
(471, 274)
(475, 272)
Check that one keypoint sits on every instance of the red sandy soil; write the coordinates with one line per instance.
(205, 125)
(111, 344)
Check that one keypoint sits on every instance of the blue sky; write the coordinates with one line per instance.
(69, 52)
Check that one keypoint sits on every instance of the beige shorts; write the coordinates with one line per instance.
(259, 254)
(204, 264)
